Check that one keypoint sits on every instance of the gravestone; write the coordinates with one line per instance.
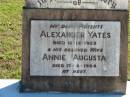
(75, 45)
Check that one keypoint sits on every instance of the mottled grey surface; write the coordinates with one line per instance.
(107, 43)
(79, 4)
(74, 83)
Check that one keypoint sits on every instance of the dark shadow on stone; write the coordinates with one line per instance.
(13, 91)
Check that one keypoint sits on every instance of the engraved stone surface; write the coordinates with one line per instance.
(79, 4)
(40, 38)
(74, 48)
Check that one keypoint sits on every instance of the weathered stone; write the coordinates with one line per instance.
(113, 83)
(62, 48)
(79, 4)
